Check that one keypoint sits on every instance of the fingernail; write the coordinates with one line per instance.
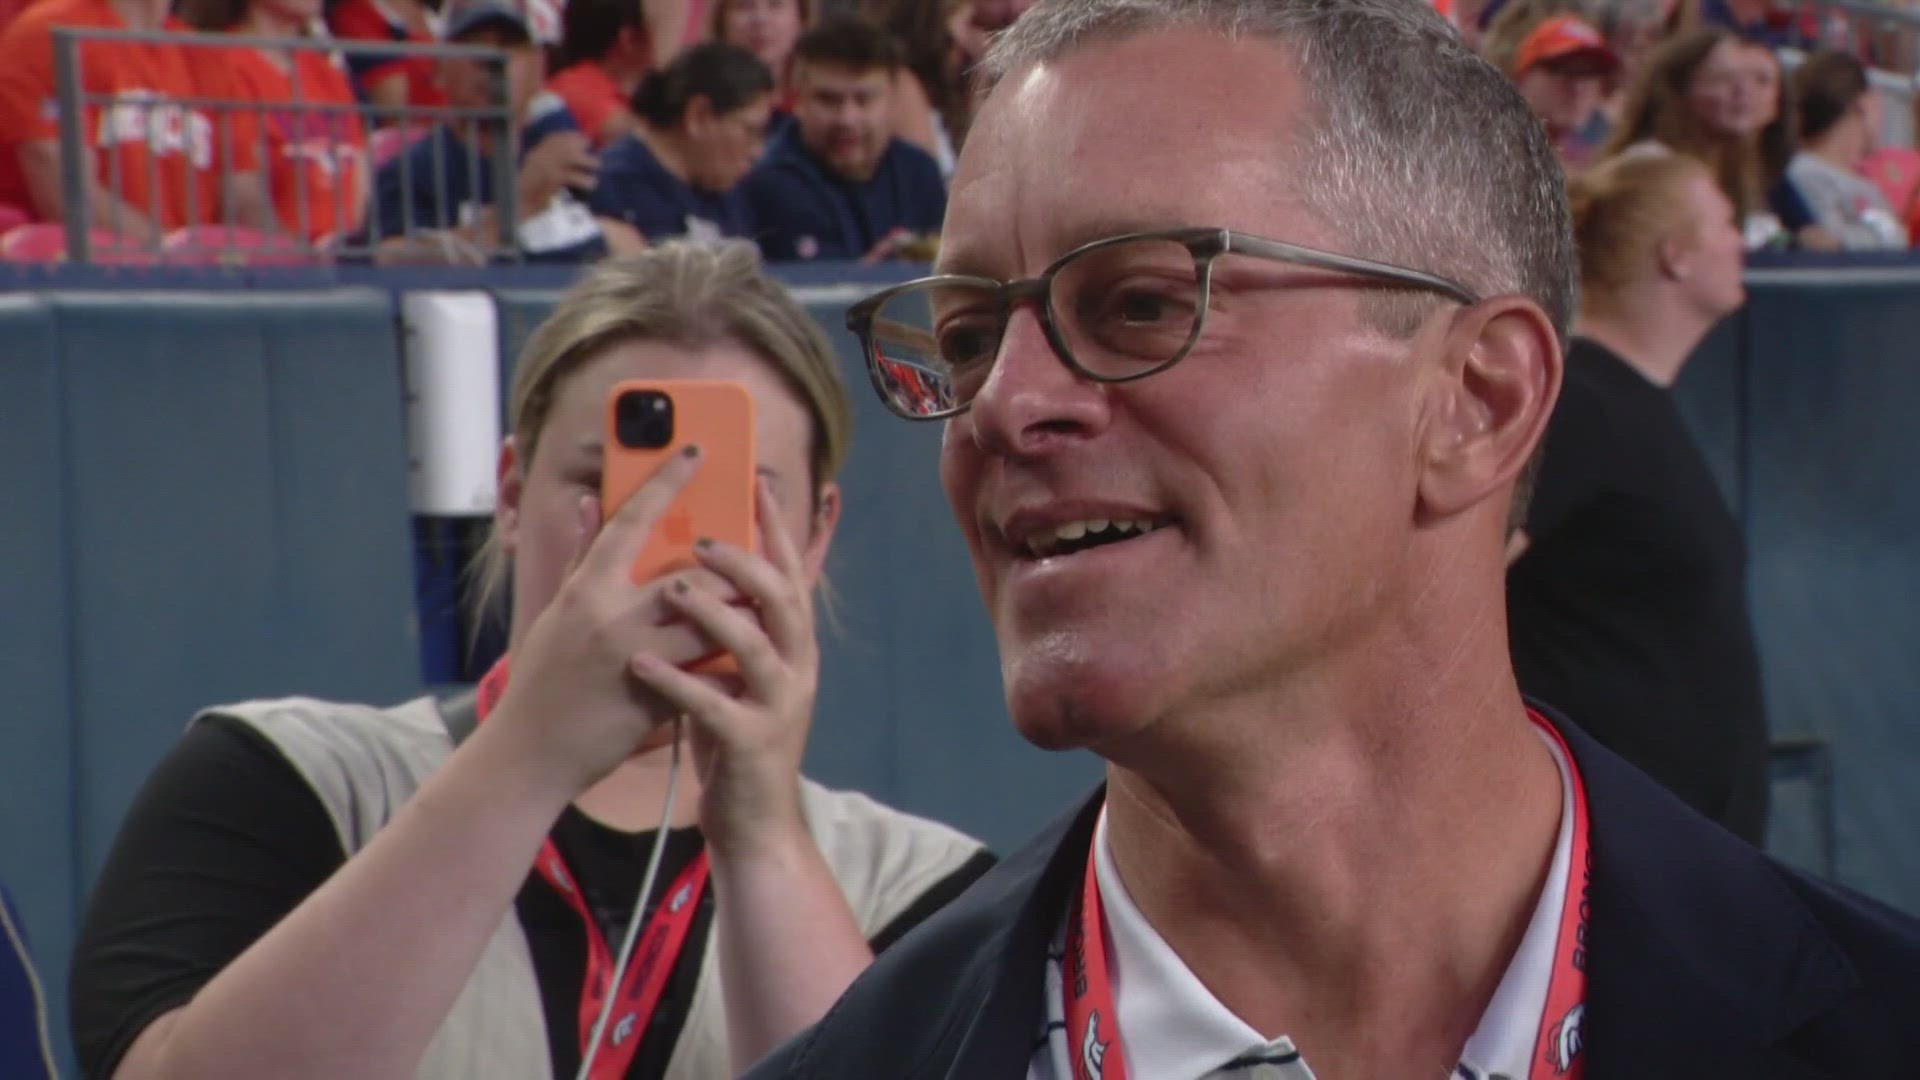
(692, 451)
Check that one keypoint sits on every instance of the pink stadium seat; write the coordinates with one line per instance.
(46, 241)
(222, 245)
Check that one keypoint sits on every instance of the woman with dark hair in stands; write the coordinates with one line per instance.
(439, 890)
(604, 53)
(316, 146)
(931, 103)
(1703, 93)
(703, 123)
(768, 30)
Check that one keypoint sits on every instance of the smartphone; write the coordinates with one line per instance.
(650, 421)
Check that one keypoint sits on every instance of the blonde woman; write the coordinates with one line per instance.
(1627, 598)
(312, 889)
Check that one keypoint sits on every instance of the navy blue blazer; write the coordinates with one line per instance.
(1708, 961)
(801, 211)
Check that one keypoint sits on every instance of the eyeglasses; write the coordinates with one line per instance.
(1114, 310)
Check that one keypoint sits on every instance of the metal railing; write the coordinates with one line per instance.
(1884, 36)
(202, 130)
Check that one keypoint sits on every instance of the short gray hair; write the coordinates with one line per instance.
(1421, 153)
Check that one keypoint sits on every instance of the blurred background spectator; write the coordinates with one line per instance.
(1630, 28)
(603, 55)
(992, 15)
(703, 124)
(390, 81)
(837, 183)
(1708, 94)
(1840, 120)
(768, 30)
(160, 159)
(434, 202)
(932, 101)
(1626, 590)
(314, 146)
(1565, 70)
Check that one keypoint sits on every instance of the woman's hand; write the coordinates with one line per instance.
(749, 731)
(572, 695)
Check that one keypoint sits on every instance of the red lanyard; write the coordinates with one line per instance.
(1093, 1026)
(654, 955)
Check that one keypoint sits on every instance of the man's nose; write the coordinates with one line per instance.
(1032, 400)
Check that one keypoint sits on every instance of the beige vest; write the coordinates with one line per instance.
(365, 762)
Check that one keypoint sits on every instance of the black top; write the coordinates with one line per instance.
(226, 838)
(1628, 610)
(1704, 958)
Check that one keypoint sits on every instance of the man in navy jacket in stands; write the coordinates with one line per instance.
(1248, 318)
(836, 183)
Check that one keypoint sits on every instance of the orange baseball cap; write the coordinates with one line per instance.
(1558, 38)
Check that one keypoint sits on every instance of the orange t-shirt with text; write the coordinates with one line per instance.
(160, 158)
(316, 146)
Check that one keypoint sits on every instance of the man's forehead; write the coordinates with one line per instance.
(1155, 130)
(840, 76)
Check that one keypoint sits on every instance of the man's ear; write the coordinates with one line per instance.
(510, 478)
(699, 116)
(1500, 374)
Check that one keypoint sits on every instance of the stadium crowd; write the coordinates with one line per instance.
(815, 133)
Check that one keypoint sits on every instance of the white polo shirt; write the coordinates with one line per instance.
(1173, 1028)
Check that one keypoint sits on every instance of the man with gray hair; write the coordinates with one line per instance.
(1248, 320)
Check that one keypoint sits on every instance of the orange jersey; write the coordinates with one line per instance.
(160, 158)
(316, 157)
(591, 96)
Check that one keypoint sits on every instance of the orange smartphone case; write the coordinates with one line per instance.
(718, 502)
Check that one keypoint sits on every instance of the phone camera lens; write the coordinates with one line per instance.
(643, 420)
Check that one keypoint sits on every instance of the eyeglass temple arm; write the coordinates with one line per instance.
(1348, 264)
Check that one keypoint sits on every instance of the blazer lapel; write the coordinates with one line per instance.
(1700, 959)
(1008, 1009)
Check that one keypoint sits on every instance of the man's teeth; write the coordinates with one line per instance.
(1043, 544)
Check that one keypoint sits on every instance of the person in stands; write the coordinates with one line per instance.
(1627, 593)
(1840, 116)
(159, 159)
(315, 145)
(1562, 69)
(390, 81)
(434, 203)
(768, 30)
(604, 53)
(437, 890)
(703, 123)
(1704, 93)
(837, 183)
